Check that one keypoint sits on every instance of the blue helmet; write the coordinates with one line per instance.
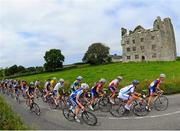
(135, 82)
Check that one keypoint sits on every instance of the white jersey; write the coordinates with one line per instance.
(114, 82)
(58, 86)
(37, 83)
(128, 89)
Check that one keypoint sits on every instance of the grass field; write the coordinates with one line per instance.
(145, 72)
(8, 119)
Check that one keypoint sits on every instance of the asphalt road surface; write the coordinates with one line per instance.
(54, 119)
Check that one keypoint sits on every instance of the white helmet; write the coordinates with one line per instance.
(162, 75)
(120, 77)
(61, 80)
(102, 80)
(79, 78)
(84, 86)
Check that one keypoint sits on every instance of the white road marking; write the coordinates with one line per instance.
(135, 118)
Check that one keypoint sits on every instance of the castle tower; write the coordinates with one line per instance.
(157, 44)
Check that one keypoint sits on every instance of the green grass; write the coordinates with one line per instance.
(8, 119)
(145, 72)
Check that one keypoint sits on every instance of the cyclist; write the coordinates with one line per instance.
(47, 88)
(113, 86)
(76, 83)
(37, 86)
(128, 93)
(75, 99)
(59, 85)
(30, 93)
(52, 83)
(152, 89)
(96, 91)
(24, 87)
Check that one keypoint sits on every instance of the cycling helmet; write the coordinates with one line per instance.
(162, 75)
(120, 77)
(102, 80)
(135, 82)
(79, 78)
(84, 86)
(31, 83)
(61, 80)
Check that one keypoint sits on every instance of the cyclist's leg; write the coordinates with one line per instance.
(113, 93)
(151, 96)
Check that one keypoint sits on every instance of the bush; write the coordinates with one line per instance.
(178, 58)
(8, 119)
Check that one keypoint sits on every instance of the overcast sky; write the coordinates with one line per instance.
(28, 28)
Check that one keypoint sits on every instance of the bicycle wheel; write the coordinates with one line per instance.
(52, 104)
(68, 114)
(17, 99)
(104, 104)
(139, 108)
(161, 103)
(117, 110)
(89, 118)
(35, 108)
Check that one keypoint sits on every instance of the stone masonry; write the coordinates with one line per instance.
(157, 44)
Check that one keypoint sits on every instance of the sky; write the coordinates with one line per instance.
(29, 28)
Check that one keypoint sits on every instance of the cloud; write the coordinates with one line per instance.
(29, 28)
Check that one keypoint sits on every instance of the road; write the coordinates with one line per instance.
(54, 119)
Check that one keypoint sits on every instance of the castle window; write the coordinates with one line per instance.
(133, 41)
(128, 49)
(134, 48)
(142, 47)
(136, 56)
(153, 47)
(142, 39)
(152, 37)
(128, 57)
(154, 55)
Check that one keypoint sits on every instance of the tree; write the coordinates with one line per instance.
(97, 53)
(54, 59)
(11, 70)
(21, 69)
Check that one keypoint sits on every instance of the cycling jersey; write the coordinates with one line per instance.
(94, 89)
(153, 85)
(74, 94)
(113, 84)
(47, 86)
(31, 90)
(124, 92)
(56, 88)
(75, 84)
(37, 83)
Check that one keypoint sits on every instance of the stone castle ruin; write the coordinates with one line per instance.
(157, 44)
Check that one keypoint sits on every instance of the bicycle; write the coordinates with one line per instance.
(17, 95)
(138, 107)
(34, 107)
(104, 103)
(160, 102)
(61, 102)
(88, 117)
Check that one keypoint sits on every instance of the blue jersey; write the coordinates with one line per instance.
(154, 84)
(75, 84)
(76, 93)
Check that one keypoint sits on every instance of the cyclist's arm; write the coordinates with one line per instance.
(99, 91)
